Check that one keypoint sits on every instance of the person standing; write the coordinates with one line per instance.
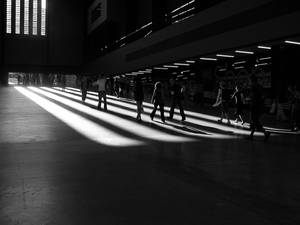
(222, 102)
(239, 104)
(138, 96)
(158, 100)
(101, 83)
(256, 109)
(176, 92)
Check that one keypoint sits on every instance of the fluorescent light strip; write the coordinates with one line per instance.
(184, 18)
(127, 125)
(240, 62)
(170, 66)
(222, 70)
(176, 15)
(181, 64)
(266, 58)
(292, 42)
(261, 64)
(208, 59)
(225, 56)
(190, 61)
(160, 68)
(183, 6)
(244, 52)
(264, 47)
(82, 125)
(239, 67)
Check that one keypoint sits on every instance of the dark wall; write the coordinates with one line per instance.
(226, 25)
(62, 47)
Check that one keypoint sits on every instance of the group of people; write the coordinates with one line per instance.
(176, 92)
(158, 96)
(256, 106)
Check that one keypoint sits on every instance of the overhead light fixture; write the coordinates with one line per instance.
(222, 70)
(160, 68)
(183, 6)
(208, 59)
(292, 42)
(239, 67)
(261, 64)
(170, 66)
(181, 64)
(190, 61)
(244, 52)
(240, 62)
(225, 56)
(264, 47)
(266, 58)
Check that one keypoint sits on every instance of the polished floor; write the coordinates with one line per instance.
(63, 162)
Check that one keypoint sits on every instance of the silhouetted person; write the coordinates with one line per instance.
(63, 82)
(158, 100)
(256, 108)
(239, 104)
(222, 101)
(116, 87)
(83, 87)
(101, 83)
(138, 96)
(294, 99)
(176, 92)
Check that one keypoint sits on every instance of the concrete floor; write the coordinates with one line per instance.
(53, 174)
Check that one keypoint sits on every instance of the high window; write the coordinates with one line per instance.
(26, 17)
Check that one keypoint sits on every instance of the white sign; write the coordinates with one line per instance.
(97, 14)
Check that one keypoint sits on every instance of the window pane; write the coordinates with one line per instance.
(43, 22)
(18, 18)
(26, 16)
(34, 17)
(8, 16)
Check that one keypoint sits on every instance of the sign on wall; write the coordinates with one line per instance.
(97, 14)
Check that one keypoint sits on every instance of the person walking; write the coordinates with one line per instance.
(101, 83)
(222, 102)
(158, 100)
(256, 109)
(83, 87)
(239, 104)
(138, 96)
(176, 92)
(294, 100)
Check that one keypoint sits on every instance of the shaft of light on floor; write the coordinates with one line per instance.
(124, 124)
(82, 125)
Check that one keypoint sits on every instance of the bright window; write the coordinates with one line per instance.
(27, 17)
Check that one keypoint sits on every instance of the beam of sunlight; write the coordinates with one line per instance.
(169, 125)
(190, 113)
(190, 119)
(116, 121)
(83, 126)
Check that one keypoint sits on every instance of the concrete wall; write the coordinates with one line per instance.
(230, 24)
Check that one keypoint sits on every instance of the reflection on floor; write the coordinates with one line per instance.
(65, 162)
